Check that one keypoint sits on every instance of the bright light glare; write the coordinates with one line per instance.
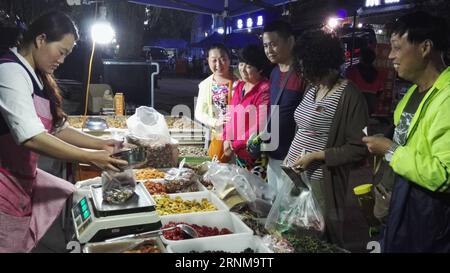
(220, 30)
(333, 22)
(102, 33)
(360, 25)
(372, 3)
(240, 23)
(249, 22)
(260, 21)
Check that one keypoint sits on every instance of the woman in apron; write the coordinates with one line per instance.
(32, 122)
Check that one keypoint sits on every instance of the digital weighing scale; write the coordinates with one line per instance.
(96, 220)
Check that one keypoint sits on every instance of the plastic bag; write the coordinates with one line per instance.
(252, 187)
(259, 194)
(220, 175)
(162, 152)
(118, 187)
(295, 212)
(278, 244)
(181, 180)
(147, 122)
(231, 181)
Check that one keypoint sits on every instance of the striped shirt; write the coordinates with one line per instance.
(313, 121)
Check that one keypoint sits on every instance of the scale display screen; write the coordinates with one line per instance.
(85, 213)
(82, 209)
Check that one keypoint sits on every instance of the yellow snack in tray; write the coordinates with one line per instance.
(112, 121)
(117, 121)
(148, 173)
(166, 205)
(76, 122)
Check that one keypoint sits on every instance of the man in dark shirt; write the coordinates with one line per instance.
(278, 41)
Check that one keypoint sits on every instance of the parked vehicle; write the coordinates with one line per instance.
(157, 54)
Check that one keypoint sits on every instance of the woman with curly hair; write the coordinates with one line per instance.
(330, 120)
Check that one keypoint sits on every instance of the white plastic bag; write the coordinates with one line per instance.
(162, 152)
(148, 129)
(295, 209)
(181, 179)
(147, 122)
(220, 175)
(258, 194)
(251, 189)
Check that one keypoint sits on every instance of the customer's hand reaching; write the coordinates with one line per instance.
(222, 120)
(304, 161)
(227, 149)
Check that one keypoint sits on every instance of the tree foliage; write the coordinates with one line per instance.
(172, 24)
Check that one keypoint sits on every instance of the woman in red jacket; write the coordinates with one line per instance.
(248, 109)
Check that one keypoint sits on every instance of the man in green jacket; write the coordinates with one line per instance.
(419, 154)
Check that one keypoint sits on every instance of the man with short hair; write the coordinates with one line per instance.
(419, 212)
(278, 41)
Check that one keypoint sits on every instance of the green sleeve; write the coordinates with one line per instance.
(428, 167)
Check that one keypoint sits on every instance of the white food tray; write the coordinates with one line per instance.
(120, 246)
(220, 243)
(162, 181)
(219, 204)
(219, 219)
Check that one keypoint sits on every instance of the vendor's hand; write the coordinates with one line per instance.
(112, 145)
(104, 161)
(227, 150)
(303, 162)
(377, 145)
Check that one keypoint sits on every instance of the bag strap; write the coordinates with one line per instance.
(230, 86)
(283, 86)
(376, 164)
(280, 93)
(277, 100)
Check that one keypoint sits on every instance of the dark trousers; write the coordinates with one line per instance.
(419, 220)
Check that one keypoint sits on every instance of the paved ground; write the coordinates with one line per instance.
(175, 91)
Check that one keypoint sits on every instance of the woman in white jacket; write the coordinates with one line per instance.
(213, 97)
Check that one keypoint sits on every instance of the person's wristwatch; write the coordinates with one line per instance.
(390, 152)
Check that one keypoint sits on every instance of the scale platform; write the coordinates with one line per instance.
(96, 220)
(141, 201)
